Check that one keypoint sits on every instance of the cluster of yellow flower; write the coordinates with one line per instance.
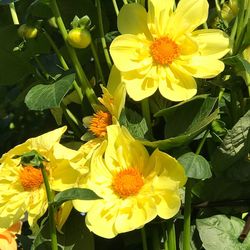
(134, 186)
(158, 49)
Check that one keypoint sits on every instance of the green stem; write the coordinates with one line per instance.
(103, 41)
(72, 117)
(144, 239)
(155, 238)
(72, 53)
(51, 210)
(43, 70)
(217, 5)
(125, 1)
(198, 150)
(63, 62)
(73, 122)
(13, 13)
(171, 241)
(97, 61)
(146, 113)
(187, 207)
(187, 216)
(115, 7)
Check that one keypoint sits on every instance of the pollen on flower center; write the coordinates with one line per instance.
(164, 50)
(99, 123)
(31, 178)
(127, 182)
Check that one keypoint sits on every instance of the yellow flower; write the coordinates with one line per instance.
(113, 100)
(22, 188)
(135, 187)
(160, 49)
(8, 237)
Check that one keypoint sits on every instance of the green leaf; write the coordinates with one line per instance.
(240, 170)
(221, 232)
(236, 145)
(245, 64)
(195, 242)
(74, 194)
(239, 62)
(175, 108)
(220, 188)
(32, 158)
(195, 166)
(134, 122)
(43, 97)
(185, 122)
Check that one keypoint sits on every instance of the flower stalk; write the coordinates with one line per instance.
(188, 199)
(51, 209)
(115, 7)
(97, 62)
(90, 94)
(103, 41)
(171, 241)
(13, 13)
(62, 61)
(144, 239)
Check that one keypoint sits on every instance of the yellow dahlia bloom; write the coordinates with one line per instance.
(113, 100)
(22, 188)
(135, 187)
(160, 49)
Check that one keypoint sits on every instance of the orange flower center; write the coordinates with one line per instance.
(164, 50)
(99, 123)
(31, 178)
(127, 182)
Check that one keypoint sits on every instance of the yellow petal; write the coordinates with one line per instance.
(114, 80)
(7, 241)
(140, 86)
(168, 204)
(134, 213)
(12, 209)
(167, 166)
(188, 15)
(83, 205)
(187, 45)
(62, 214)
(38, 205)
(177, 85)
(213, 43)
(130, 52)
(114, 95)
(203, 66)
(159, 12)
(101, 218)
(46, 141)
(123, 151)
(132, 19)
